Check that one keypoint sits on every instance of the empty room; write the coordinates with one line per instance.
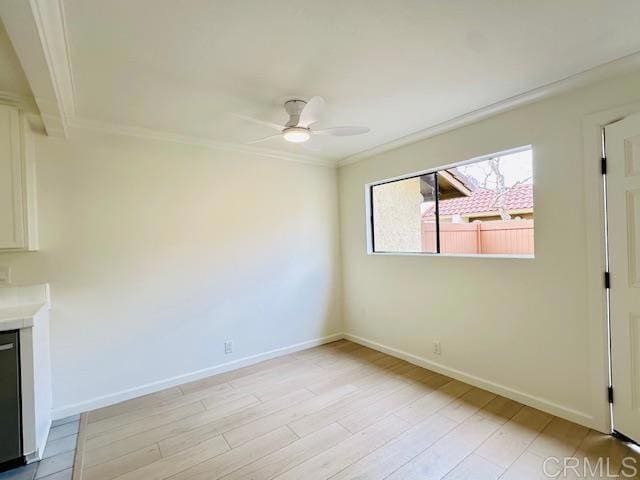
(295, 240)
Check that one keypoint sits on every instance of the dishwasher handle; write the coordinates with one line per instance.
(7, 346)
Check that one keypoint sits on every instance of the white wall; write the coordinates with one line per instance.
(519, 327)
(158, 252)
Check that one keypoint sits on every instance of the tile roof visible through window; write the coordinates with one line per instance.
(483, 200)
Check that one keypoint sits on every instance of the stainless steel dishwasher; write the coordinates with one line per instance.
(10, 417)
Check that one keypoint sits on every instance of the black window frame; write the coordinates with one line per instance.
(437, 199)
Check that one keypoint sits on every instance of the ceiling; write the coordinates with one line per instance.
(397, 67)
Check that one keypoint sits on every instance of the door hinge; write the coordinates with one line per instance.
(610, 394)
(603, 165)
(607, 280)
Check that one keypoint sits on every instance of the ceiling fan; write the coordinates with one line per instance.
(302, 116)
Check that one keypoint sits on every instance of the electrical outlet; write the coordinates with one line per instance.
(5, 275)
(437, 348)
(228, 347)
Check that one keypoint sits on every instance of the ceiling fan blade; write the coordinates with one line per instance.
(264, 139)
(311, 112)
(260, 122)
(342, 131)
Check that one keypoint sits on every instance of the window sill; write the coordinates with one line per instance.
(455, 255)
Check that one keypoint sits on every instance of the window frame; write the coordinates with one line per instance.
(370, 236)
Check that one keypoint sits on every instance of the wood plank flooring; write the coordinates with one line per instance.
(339, 411)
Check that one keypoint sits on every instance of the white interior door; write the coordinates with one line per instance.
(623, 198)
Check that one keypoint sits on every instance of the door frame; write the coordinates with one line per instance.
(592, 126)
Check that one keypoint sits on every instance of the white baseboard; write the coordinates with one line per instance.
(106, 400)
(517, 395)
(534, 401)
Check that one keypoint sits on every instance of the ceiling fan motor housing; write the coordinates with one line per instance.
(294, 109)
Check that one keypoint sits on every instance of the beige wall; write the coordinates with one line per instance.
(516, 326)
(158, 252)
(396, 215)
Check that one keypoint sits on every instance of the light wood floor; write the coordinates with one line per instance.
(338, 411)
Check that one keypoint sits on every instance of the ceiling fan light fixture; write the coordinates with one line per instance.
(296, 134)
(301, 124)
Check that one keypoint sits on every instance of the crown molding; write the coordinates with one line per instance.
(25, 102)
(602, 72)
(37, 32)
(39, 26)
(52, 30)
(141, 132)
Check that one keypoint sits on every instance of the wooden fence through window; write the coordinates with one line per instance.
(511, 237)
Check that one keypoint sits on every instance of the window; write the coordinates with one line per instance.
(480, 207)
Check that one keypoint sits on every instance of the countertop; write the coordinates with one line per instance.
(20, 305)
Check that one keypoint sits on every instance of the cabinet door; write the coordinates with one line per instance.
(12, 213)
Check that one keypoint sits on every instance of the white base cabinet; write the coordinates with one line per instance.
(17, 183)
(26, 309)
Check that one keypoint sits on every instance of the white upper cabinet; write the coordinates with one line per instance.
(17, 196)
